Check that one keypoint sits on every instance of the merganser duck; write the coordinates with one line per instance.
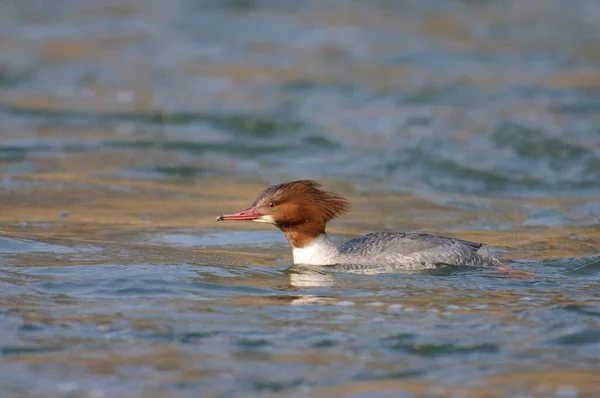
(301, 210)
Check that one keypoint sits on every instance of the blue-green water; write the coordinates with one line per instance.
(126, 127)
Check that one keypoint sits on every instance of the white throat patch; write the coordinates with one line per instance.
(267, 219)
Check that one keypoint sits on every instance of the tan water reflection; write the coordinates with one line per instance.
(86, 204)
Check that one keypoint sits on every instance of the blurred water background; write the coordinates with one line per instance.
(127, 126)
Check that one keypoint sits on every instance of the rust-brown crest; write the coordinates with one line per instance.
(321, 206)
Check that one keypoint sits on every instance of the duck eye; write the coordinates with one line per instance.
(271, 204)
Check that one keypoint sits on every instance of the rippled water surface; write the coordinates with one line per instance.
(127, 126)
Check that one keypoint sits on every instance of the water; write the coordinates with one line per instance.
(126, 127)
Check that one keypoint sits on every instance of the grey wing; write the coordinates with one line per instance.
(421, 246)
(401, 243)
